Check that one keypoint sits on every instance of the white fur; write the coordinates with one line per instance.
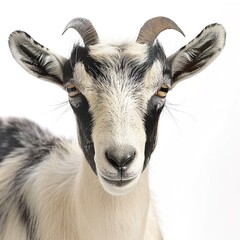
(72, 205)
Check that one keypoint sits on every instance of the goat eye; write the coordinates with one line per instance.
(162, 91)
(72, 90)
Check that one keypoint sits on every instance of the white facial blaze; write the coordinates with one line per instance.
(118, 123)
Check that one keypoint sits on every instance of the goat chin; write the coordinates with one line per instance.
(119, 188)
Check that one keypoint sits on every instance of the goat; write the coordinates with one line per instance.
(97, 187)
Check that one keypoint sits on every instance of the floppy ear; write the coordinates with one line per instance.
(198, 53)
(36, 59)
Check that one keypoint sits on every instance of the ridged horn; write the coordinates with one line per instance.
(86, 30)
(153, 27)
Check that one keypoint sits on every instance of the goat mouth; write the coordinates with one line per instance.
(118, 183)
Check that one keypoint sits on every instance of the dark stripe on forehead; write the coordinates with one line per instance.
(92, 66)
(156, 52)
(137, 71)
(121, 64)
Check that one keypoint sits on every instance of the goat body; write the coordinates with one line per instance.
(96, 189)
(48, 191)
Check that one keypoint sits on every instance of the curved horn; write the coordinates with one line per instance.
(153, 27)
(86, 30)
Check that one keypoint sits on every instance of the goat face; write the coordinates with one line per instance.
(117, 92)
(117, 106)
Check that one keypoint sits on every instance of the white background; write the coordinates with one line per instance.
(195, 170)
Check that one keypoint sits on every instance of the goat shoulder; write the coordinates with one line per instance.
(37, 171)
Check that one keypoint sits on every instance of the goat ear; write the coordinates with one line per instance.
(198, 53)
(36, 59)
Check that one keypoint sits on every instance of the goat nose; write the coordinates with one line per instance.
(120, 159)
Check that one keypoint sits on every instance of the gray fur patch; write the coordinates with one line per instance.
(26, 140)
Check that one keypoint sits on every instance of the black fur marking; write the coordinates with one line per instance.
(151, 126)
(29, 37)
(122, 65)
(36, 63)
(32, 145)
(99, 70)
(138, 71)
(84, 122)
(198, 59)
(157, 52)
(153, 110)
(67, 72)
(209, 26)
(92, 66)
(40, 149)
(28, 219)
(34, 157)
(9, 140)
(81, 54)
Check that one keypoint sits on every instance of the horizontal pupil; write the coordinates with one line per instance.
(72, 89)
(165, 90)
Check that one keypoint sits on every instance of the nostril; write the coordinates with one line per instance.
(112, 159)
(129, 157)
(120, 159)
